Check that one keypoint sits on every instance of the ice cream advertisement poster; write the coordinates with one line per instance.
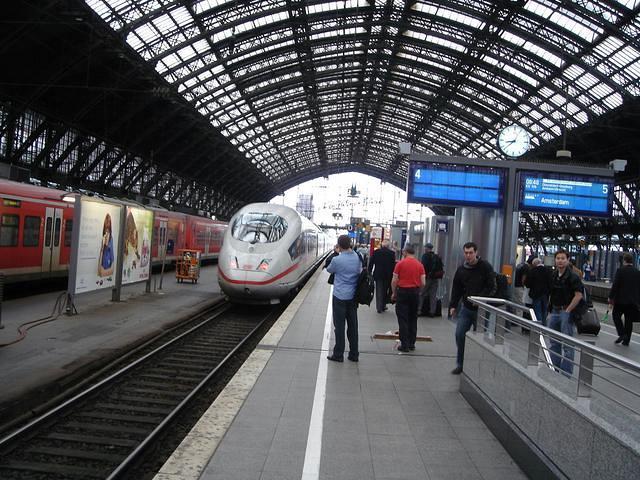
(98, 235)
(136, 260)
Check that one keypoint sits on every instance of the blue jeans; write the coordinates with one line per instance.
(540, 307)
(560, 321)
(465, 318)
(345, 311)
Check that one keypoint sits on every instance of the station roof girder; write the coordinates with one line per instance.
(283, 91)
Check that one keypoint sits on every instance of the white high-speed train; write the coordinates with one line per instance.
(267, 251)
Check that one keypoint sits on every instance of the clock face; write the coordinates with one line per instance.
(513, 141)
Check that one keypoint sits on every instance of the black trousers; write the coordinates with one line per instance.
(383, 285)
(631, 314)
(407, 312)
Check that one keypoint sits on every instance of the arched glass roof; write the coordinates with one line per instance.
(308, 88)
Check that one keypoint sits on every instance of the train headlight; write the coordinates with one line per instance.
(264, 265)
(233, 263)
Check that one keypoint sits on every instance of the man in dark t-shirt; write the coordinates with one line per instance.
(566, 293)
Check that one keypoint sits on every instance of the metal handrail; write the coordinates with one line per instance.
(586, 372)
(596, 352)
(609, 389)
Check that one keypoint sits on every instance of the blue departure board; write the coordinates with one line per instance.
(566, 194)
(455, 185)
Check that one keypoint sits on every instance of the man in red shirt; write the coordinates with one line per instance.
(408, 280)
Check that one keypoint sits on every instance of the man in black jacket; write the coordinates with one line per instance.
(475, 277)
(382, 263)
(624, 296)
(538, 281)
(433, 266)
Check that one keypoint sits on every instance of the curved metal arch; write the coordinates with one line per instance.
(284, 113)
(369, 67)
(294, 121)
(515, 65)
(588, 68)
(513, 79)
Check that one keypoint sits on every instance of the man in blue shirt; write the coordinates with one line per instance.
(346, 267)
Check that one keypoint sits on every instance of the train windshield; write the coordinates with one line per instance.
(257, 227)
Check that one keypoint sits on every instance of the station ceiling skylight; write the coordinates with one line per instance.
(307, 88)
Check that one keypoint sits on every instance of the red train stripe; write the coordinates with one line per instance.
(253, 282)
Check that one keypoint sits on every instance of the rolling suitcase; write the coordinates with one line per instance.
(588, 323)
(426, 309)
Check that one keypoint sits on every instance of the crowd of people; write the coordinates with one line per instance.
(412, 285)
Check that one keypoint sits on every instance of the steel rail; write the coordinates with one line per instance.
(5, 440)
(121, 469)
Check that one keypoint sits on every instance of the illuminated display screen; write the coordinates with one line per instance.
(566, 194)
(456, 185)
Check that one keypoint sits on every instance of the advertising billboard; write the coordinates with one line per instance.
(566, 194)
(456, 185)
(94, 263)
(136, 259)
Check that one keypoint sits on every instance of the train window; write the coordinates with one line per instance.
(31, 232)
(56, 237)
(259, 227)
(297, 247)
(9, 230)
(47, 232)
(68, 231)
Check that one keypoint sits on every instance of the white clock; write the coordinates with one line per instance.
(514, 141)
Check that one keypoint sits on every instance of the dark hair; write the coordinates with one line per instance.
(562, 251)
(470, 245)
(409, 249)
(627, 258)
(344, 242)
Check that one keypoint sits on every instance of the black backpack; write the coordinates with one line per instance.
(365, 286)
(438, 267)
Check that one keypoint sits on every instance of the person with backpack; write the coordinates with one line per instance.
(346, 267)
(566, 294)
(408, 280)
(434, 269)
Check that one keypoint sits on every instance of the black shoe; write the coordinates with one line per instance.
(457, 371)
(400, 348)
(380, 311)
(626, 341)
(619, 340)
(335, 359)
(353, 359)
(412, 347)
(430, 315)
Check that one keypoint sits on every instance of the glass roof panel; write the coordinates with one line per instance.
(248, 73)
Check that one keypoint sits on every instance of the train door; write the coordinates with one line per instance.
(207, 240)
(52, 240)
(162, 239)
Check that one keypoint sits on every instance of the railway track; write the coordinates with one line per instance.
(102, 431)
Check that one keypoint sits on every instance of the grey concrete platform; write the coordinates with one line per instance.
(390, 416)
(63, 349)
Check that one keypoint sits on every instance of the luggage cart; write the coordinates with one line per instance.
(188, 265)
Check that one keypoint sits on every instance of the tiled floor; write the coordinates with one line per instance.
(390, 416)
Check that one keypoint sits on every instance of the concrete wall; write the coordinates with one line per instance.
(548, 433)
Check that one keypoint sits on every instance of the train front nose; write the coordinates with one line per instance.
(243, 283)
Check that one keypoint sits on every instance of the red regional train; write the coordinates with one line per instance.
(36, 228)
